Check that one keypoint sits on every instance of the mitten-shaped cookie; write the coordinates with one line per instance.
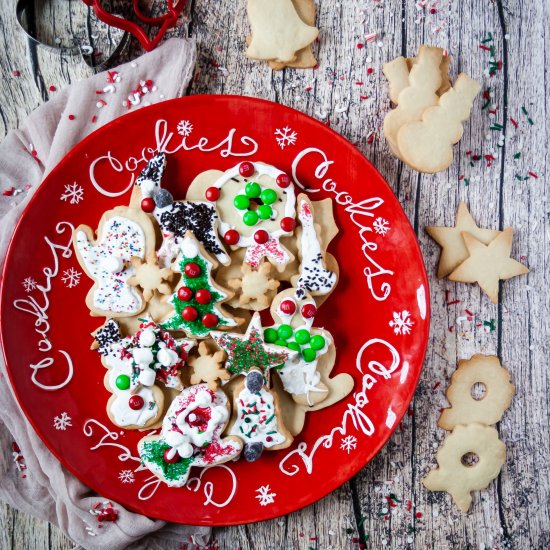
(190, 436)
(306, 376)
(197, 299)
(135, 365)
(256, 204)
(123, 233)
(257, 418)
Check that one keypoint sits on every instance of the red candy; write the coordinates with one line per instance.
(288, 224)
(212, 194)
(203, 296)
(185, 294)
(288, 307)
(232, 237)
(246, 169)
(210, 320)
(136, 402)
(172, 460)
(192, 270)
(309, 311)
(283, 180)
(148, 205)
(189, 313)
(261, 236)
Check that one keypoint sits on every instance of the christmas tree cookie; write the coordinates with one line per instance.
(175, 218)
(305, 376)
(123, 234)
(257, 418)
(256, 203)
(190, 436)
(136, 364)
(197, 299)
(249, 351)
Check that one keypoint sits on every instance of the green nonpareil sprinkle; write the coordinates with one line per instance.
(519, 178)
(524, 110)
(496, 126)
(361, 521)
(486, 104)
(517, 156)
(490, 324)
(530, 121)
(466, 182)
(349, 531)
(393, 497)
(488, 39)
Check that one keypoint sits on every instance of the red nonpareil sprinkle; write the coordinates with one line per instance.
(52, 88)
(453, 302)
(99, 92)
(410, 412)
(460, 178)
(533, 175)
(94, 118)
(34, 152)
(8, 192)
(15, 447)
(513, 122)
(71, 117)
(433, 11)
(436, 385)
(15, 73)
(486, 94)
(484, 48)
(370, 139)
(370, 70)
(409, 505)
(308, 88)
(360, 46)
(451, 328)
(358, 83)
(101, 102)
(418, 515)
(469, 312)
(468, 152)
(391, 502)
(363, 97)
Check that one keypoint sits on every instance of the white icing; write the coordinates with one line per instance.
(189, 248)
(312, 267)
(261, 169)
(147, 377)
(264, 427)
(167, 357)
(121, 240)
(148, 187)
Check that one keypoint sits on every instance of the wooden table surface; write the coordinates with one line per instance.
(349, 92)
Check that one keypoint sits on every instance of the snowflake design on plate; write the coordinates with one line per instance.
(184, 128)
(71, 277)
(62, 422)
(74, 193)
(402, 322)
(285, 136)
(126, 476)
(381, 226)
(29, 284)
(265, 495)
(349, 443)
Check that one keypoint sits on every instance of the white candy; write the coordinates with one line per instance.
(112, 264)
(143, 356)
(147, 188)
(167, 357)
(147, 377)
(147, 338)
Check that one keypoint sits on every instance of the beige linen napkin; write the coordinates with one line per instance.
(26, 155)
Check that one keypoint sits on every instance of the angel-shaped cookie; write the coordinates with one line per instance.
(197, 299)
(135, 365)
(190, 436)
(123, 233)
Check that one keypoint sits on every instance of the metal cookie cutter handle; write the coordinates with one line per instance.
(165, 22)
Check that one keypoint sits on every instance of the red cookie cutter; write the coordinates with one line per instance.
(165, 22)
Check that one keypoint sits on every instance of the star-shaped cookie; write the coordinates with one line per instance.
(488, 264)
(247, 351)
(453, 248)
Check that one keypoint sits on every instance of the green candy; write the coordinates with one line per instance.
(317, 342)
(309, 355)
(250, 218)
(294, 346)
(270, 335)
(122, 382)
(264, 211)
(268, 196)
(283, 343)
(285, 332)
(302, 336)
(252, 190)
(241, 202)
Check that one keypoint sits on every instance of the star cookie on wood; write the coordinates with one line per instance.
(488, 264)
(453, 248)
(150, 277)
(208, 367)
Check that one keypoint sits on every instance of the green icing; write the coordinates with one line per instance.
(153, 452)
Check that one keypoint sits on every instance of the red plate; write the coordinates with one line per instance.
(379, 314)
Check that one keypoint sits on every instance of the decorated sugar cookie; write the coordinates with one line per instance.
(175, 218)
(256, 417)
(306, 376)
(249, 351)
(190, 436)
(255, 288)
(314, 276)
(123, 233)
(136, 364)
(197, 299)
(256, 203)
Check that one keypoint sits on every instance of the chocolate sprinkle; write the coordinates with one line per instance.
(198, 217)
(107, 335)
(154, 170)
(316, 278)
